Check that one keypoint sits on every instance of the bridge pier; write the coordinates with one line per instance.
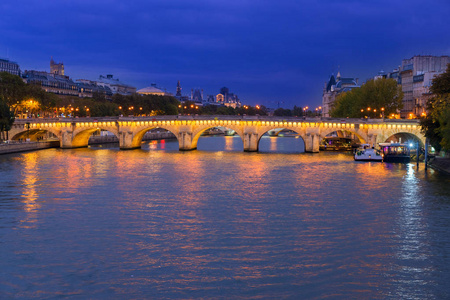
(251, 140)
(312, 143)
(312, 140)
(185, 141)
(126, 141)
(66, 139)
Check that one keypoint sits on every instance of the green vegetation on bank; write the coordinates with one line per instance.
(436, 124)
(374, 99)
(6, 119)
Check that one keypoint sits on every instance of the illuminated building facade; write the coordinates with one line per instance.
(228, 99)
(151, 90)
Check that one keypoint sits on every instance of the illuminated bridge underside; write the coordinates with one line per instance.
(74, 133)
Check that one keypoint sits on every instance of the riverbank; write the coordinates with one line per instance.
(441, 163)
(14, 146)
(7, 148)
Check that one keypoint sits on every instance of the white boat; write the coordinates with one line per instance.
(367, 154)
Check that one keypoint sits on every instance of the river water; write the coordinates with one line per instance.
(218, 223)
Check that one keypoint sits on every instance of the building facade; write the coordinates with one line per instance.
(56, 68)
(228, 99)
(9, 66)
(197, 96)
(415, 76)
(333, 88)
(87, 89)
(115, 85)
(52, 83)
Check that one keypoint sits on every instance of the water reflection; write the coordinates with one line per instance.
(413, 247)
(29, 196)
(159, 223)
(275, 144)
(220, 143)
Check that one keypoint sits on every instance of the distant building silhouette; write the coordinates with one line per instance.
(58, 83)
(51, 82)
(178, 94)
(334, 87)
(228, 99)
(56, 68)
(197, 95)
(9, 66)
(87, 88)
(115, 85)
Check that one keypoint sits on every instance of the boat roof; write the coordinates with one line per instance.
(393, 145)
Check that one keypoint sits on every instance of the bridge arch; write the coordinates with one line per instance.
(199, 131)
(300, 134)
(325, 132)
(392, 134)
(34, 133)
(403, 137)
(81, 135)
(139, 135)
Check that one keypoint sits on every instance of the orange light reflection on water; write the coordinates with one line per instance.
(229, 143)
(29, 179)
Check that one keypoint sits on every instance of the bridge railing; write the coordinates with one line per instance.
(219, 117)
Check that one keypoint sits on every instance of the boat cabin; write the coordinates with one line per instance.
(395, 152)
(337, 144)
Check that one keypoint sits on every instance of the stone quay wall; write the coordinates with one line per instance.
(11, 147)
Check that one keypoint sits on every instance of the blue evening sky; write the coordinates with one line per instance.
(264, 51)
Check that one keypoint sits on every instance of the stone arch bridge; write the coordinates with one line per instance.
(75, 132)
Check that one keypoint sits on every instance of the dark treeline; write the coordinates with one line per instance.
(191, 108)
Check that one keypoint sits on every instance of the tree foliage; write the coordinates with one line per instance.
(17, 94)
(282, 112)
(374, 94)
(436, 125)
(6, 119)
(12, 88)
(150, 104)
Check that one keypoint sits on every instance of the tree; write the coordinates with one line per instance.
(282, 112)
(374, 94)
(436, 125)
(6, 119)
(12, 88)
(297, 111)
(104, 109)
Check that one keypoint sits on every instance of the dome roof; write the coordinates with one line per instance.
(150, 90)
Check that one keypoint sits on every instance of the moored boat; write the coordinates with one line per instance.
(336, 144)
(367, 154)
(395, 152)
